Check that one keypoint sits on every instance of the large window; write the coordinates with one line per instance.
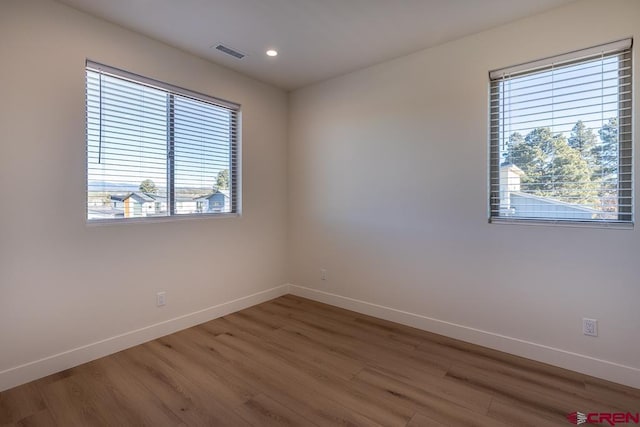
(560, 133)
(155, 150)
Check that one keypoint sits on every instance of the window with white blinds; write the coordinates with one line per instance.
(561, 138)
(155, 150)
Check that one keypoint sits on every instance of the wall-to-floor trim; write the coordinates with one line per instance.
(554, 356)
(30, 371)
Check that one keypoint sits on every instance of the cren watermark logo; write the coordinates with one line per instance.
(577, 418)
(610, 418)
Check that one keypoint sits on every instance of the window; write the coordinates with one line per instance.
(560, 138)
(155, 150)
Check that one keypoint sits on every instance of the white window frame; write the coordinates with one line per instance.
(235, 169)
(626, 193)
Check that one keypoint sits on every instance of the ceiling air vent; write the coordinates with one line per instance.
(229, 51)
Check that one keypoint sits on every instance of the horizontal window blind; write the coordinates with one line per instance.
(561, 138)
(155, 150)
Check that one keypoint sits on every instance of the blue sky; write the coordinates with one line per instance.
(558, 98)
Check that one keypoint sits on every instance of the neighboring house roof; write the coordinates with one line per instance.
(546, 200)
(225, 193)
(136, 195)
(147, 197)
(143, 197)
(119, 197)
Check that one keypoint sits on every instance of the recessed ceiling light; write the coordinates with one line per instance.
(272, 52)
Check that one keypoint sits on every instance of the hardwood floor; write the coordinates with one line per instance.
(295, 362)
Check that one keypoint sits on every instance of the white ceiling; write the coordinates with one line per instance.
(317, 39)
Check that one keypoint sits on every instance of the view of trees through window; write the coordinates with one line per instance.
(580, 168)
(556, 134)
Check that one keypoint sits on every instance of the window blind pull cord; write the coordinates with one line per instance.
(100, 119)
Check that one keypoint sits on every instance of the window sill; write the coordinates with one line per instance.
(562, 223)
(159, 219)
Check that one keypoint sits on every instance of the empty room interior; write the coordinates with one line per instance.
(319, 212)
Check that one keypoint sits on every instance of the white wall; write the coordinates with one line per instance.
(65, 285)
(388, 192)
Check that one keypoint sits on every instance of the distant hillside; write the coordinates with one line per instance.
(111, 187)
(119, 187)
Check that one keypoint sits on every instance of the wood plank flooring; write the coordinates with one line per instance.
(296, 362)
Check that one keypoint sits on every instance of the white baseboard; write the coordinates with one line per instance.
(604, 369)
(554, 356)
(30, 371)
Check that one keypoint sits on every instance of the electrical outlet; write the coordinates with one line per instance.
(590, 327)
(161, 299)
(323, 274)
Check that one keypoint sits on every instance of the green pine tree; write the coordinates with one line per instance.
(553, 167)
(222, 181)
(148, 186)
(606, 172)
(569, 175)
(583, 139)
(528, 155)
(607, 152)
